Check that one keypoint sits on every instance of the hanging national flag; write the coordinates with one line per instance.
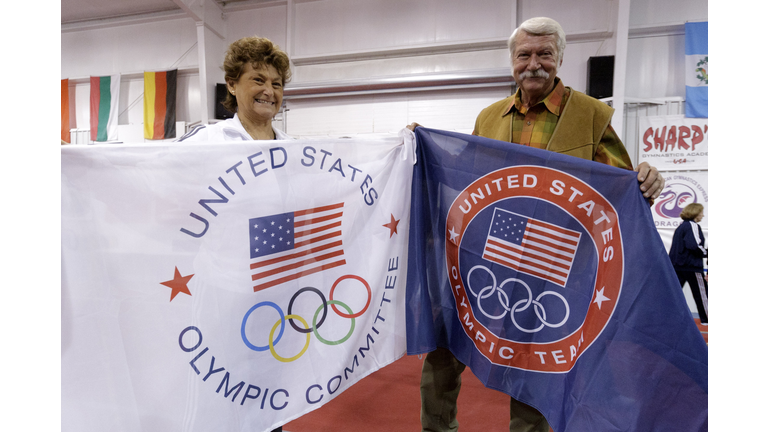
(160, 105)
(531, 246)
(65, 111)
(161, 318)
(610, 346)
(295, 244)
(105, 95)
(696, 70)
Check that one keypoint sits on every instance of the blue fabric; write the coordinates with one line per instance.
(696, 38)
(697, 102)
(697, 44)
(646, 367)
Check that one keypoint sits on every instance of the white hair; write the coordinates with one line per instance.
(540, 26)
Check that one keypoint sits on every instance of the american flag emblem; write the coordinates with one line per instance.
(287, 246)
(531, 246)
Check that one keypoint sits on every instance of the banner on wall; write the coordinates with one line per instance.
(674, 142)
(533, 269)
(228, 286)
(682, 188)
(105, 96)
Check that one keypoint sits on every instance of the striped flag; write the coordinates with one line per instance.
(531, 246)
(65, 110)
(287, 246)
(105, 94)
(160, 105)
(697, 70)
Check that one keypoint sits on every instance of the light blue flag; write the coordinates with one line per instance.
(696, 70)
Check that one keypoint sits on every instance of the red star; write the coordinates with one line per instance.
(178, 284)
(392, 225)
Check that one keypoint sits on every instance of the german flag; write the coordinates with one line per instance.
(160, 105)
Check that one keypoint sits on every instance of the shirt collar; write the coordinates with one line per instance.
(552, 102)
(239, 132)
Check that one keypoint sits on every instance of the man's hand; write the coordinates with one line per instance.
(412, 127)
(651, 182)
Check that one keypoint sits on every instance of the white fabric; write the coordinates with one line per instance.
(134, 359)
(114, 103)
(691, 74)
(226, 130)
(702, 291)
(673, 142)
(695, 230)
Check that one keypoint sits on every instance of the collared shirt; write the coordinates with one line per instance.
(534, 126)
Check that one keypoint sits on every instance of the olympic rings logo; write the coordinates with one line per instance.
(520, 306)
(317, 320)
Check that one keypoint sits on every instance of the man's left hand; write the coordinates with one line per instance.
(651, 182)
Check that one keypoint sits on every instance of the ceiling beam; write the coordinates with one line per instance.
(620, 66)
(207, 12)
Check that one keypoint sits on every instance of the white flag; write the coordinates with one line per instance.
(176, 316)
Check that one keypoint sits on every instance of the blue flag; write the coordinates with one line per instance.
(545, 275)
(696, 70)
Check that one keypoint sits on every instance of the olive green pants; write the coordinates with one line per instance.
(440, 385)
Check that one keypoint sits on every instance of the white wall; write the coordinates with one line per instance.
(130, 50)
(655, 64)
(661, 12)
(372, 40)
(269, 22)
(388, 113)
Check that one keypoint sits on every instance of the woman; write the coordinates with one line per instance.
(255, 71)
(687, 255)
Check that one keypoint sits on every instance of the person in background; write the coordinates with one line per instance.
(543, 113)
(687, 254)
(255, 70)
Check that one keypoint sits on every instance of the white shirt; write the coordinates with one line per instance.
(227, 130)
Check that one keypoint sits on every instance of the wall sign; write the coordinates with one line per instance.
(674, 142)
(682, 188)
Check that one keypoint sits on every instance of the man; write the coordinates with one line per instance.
(545, 114)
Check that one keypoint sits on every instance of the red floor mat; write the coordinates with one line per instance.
(388, 400)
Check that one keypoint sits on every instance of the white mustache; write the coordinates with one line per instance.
(538, 73)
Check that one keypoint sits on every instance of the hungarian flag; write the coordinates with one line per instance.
(545, 275)
(162, 326)
(160, 105)
(65, 110)
(105, 95)
(697, 69)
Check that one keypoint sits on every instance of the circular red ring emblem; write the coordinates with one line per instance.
(595, 214)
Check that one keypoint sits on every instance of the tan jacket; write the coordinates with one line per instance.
(569, 137)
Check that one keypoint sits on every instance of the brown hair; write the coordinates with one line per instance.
(258, 52)
(691, 211)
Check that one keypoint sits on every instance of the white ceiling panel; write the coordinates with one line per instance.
(86, 10)
(73, 11)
